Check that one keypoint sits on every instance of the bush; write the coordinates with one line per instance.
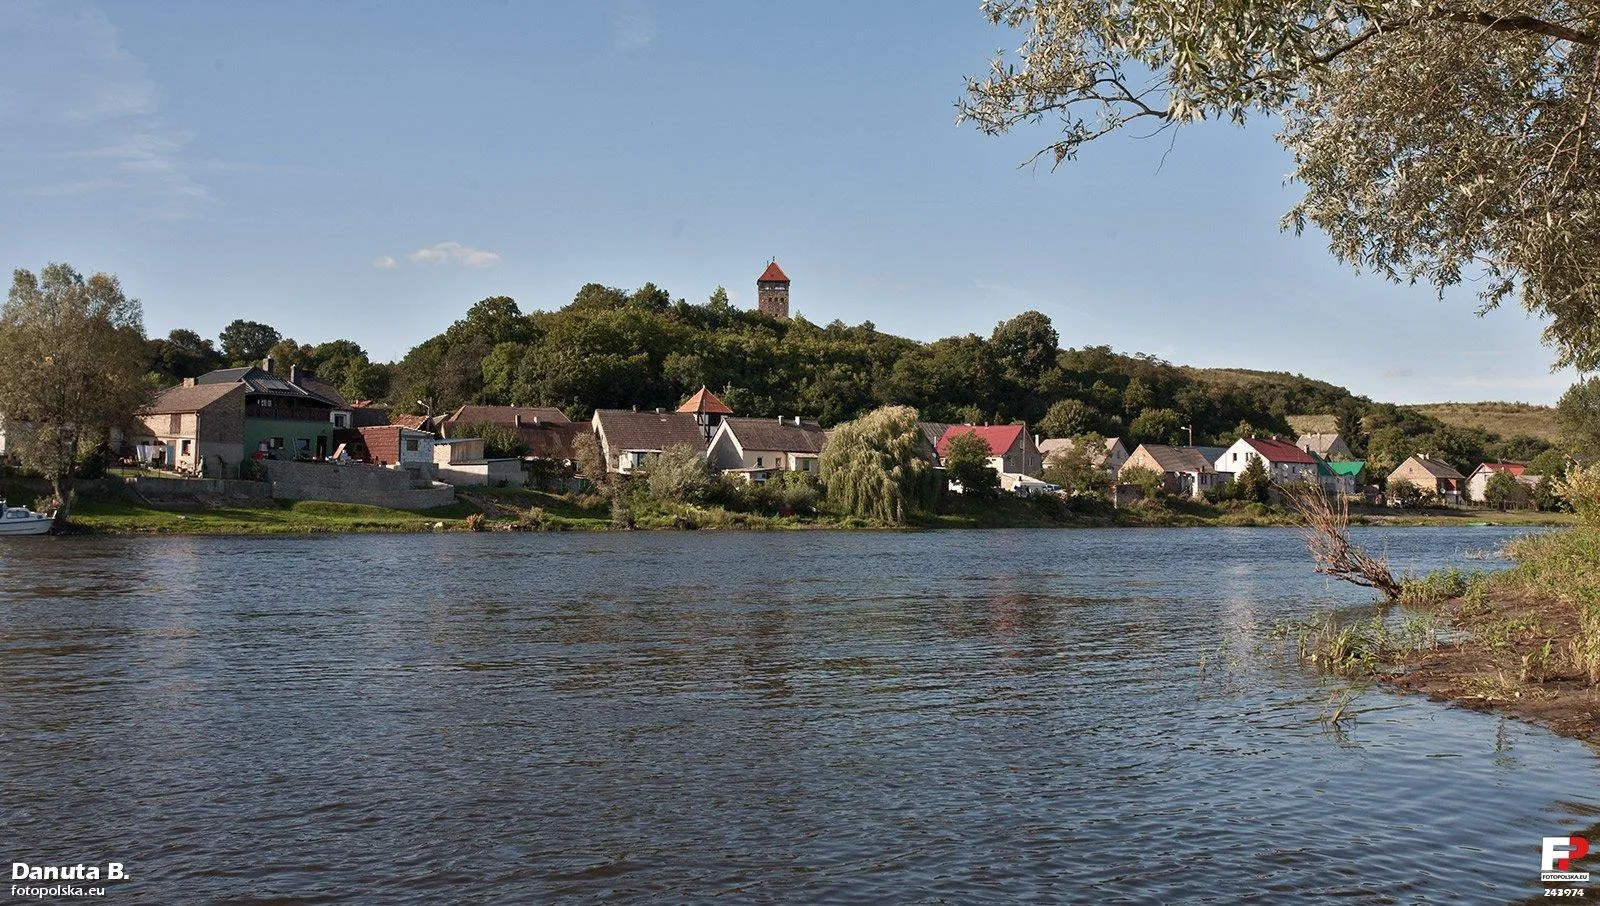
(967, 462)
(1581, 490)
(680, 475)
(498, 440)
(1146, 480)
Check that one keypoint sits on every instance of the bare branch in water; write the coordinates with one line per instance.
(1326, 527)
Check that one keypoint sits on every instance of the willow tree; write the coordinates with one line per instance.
(72, 364)
(878, 467)
(1437, 141)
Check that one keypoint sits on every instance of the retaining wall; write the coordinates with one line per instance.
(355, 483)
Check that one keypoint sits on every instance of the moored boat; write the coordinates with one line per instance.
(19, 520)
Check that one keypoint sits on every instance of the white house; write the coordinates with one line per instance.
(1284, 461)
(755, 448)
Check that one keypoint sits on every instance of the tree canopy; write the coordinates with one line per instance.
(1437, 142)
(72, 359)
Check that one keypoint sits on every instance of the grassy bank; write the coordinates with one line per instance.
(269, 517)
(1524, 641)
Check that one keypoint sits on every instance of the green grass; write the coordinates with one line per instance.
(121, 516)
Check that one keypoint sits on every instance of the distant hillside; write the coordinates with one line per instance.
(1504, 419)
(1314, 424)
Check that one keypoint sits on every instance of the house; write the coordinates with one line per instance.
(545, 432)
(1283, 461)
(757, 447)
(1110, 459)
(1327, 446)
(1184, 471)
(195, 428)
(460, 461)
(1011, 448)
(708, 411)
(387, 445)
(932, 431)
(1478, 481)
(1431, 476)
(1345, 477)
(630, 440)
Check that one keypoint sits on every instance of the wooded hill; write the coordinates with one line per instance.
(613, 348)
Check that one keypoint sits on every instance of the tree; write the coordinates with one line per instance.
(1069, 418)
(1077, 469)
(1026, 346)
(1147, 480)
(71, 368)
(680, 474)
(1550, 462)
(1155, 426)
(1436, 141)
(183, 354)
(588, 458)
(1347, 422)
(966, 461)
(1253, 483)
(498, 440)
(1579, 414)
(247, 342)
(877, 467)
(1503, 491)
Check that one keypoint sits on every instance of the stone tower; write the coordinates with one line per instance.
(772, 292)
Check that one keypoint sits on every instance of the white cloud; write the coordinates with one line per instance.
(455, 252)
(383, 261)
(87, 110)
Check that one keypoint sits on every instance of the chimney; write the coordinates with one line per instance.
(188, 382)
(294, 373)
(660, 410)
(782, 421)
(516, 419)
(535, 420)
(266, 365)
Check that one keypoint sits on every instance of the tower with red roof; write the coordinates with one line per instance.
(772, 291)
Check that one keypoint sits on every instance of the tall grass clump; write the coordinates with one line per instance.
(1563, 566)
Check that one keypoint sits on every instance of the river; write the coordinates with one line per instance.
(803, 717)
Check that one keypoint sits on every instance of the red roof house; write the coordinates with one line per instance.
(1011, 447)
(1283, 460)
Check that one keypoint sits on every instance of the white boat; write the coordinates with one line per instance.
(19, 520)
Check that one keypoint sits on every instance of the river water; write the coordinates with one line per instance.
(941, 717)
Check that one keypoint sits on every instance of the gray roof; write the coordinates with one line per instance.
(933, 431)
(1177, 459)
(625, 429)
(175, 400)
(769, 434)
(256, 380)
(1438, 468)
(1319, 444)
(1212, 454)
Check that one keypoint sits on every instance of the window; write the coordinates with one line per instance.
(338, 420)
(302, 444)
(275, 443)
(758, 462)
(183, 446)
(1235, 457)
(412, 445)
(174, 424)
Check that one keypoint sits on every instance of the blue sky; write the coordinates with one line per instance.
(369, 170)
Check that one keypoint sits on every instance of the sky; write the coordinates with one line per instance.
(367, 171)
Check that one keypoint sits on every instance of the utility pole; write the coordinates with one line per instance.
(1190, 429)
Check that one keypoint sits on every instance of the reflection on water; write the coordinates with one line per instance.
(808, 717)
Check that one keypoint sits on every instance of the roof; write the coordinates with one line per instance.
(625, 429)
(1273, 450)
(1212, 454)
(1176, 459)
(417, 422)
(506, 416)
(773, 274)
(776, 435)
(256, 380)
(705, 401)
(182, 398)
(1438, 468)
(932, 431)
(1319, 444)
(1347, 468)
(1515, 468)
(1055, 445)
(998, 437)
(381, 443)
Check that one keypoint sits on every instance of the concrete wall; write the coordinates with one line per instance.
(167, 487)
(354, 483)
(484, 472)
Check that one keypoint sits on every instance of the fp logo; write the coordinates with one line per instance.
(1555, 864)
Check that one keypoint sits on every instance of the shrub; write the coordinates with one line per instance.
(498, 440)
(1145, 479)
(1581, 490)
(680, 475)
(877, 467)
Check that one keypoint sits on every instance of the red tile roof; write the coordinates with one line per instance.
(1515, 468)
(998, 437)
(1280, 451)
(705, 401)
(773, 274)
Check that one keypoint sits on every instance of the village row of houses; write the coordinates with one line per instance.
(213, 424)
